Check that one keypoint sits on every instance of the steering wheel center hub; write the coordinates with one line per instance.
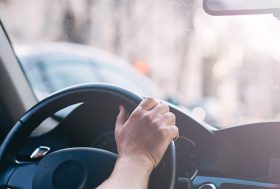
(75, 168)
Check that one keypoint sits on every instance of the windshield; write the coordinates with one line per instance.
(223, 69)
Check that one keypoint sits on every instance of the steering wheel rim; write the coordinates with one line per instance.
(64, 98)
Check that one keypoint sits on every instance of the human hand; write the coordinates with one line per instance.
(145, 135)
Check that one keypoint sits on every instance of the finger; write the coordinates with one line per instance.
(121, 118)
(173, 132)
(161, 108)
(148, 103)
(169, 118)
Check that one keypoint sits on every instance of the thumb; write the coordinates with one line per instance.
(121, 118)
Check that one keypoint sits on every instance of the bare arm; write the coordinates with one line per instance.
(129, 173)
(142, 140)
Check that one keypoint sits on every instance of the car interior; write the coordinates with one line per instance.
(40, 151)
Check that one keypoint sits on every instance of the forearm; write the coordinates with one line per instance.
(129, 173)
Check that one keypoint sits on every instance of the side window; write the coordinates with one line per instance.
(34, 70)
(65, 72)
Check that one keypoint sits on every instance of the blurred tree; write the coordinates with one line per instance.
(186, 10)
(117, 8)
(77, 29)
(209, 83)
(87, 22)
(70, 31)
(5, 1)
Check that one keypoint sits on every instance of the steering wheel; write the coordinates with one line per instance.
(71, 168)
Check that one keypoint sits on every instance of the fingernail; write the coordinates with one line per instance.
(149, 98)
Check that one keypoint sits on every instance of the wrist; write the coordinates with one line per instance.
(137, 162)
(131, 172)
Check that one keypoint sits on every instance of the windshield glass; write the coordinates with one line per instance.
(223, 69)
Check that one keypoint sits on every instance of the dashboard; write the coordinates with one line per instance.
(240, 157)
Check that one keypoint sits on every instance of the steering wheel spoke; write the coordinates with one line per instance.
(22, 176)
(15, 174)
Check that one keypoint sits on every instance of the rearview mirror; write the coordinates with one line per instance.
(241, 7)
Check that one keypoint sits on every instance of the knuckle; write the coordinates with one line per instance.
(169, 116)
(164, 132)
(148, 117)
(156, 123)
(175, 130)
(165, 106)
(151, 100)
(172, 116)
(137, 113)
